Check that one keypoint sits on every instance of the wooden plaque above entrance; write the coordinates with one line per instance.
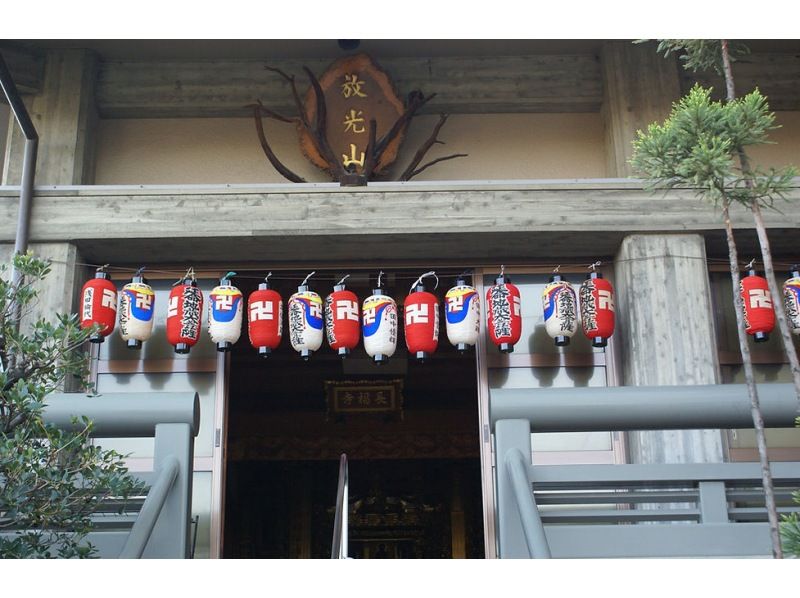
(365, 397)
(356, 90)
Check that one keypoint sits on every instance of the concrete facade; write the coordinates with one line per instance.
(216, 202)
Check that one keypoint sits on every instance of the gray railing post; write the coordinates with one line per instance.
(712, 502)
(510, 434)
(171, 537)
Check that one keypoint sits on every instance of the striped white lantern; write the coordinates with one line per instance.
(306, 320)
(379, 326)
(462, 308)
(137, 304)
(225, 314)
(560, 306)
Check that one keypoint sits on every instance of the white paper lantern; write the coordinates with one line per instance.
(137, 304)
(225, 314)
(379, 325)
(306, 320)
(462, 309)
(560, 306)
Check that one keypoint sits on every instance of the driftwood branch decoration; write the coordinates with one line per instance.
(358, 89)
(412, 169)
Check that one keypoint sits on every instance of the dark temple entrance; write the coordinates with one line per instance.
(415, 487)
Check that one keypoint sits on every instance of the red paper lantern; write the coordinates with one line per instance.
(759, 316)
(597, 309)
(99, 305)
(342, 320)
(421, 317)
(184, 315)
(504, 314)
(265, 319)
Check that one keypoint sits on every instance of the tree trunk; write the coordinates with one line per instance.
(755, 407)
(777, 299)
(758, 420)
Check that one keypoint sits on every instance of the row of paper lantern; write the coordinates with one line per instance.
(340, 317)
(759, 314)
(344, 323)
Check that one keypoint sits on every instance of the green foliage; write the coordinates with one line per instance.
(700, 54)
(790, 524)
(697, 147)
(51, 480)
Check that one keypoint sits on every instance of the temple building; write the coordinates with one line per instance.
(156, 154)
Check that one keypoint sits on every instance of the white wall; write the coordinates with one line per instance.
(218, 150)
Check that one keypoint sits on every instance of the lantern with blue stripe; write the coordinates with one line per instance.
(560, 306)
(462, 310)
(137, 305)
(225, 313)
(305, 320)
(379, 325)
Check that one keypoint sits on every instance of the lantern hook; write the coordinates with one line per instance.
(103, 268)
(140, 270)
(228, 276)
(502, 271)
(419, 280)
(266, 278)
(750, 264)
(302, 284)
(342, 280)
(556, 269)
(593, 266)
(380, 275)
(189, 275)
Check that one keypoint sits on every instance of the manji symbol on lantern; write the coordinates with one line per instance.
(265, 318)
(759, 317)
(462, 315)
(342, 321)
(504, 313)
(421, 316)
(305, 320)
(184, 313)
(597, 307)
(137, 305)
(379, 320)
(225, 313)
(560, 306)
(99, 305)
(791, 299)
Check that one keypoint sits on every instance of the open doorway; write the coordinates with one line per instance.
(415, 478)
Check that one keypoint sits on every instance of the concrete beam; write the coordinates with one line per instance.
(27, 69)
(777, 76)
(221, 88)
(384, 222)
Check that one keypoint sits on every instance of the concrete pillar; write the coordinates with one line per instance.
(64, 115)
(639, 87)
(666, 335)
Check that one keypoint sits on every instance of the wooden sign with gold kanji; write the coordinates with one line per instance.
(356, 90)
(365, 397)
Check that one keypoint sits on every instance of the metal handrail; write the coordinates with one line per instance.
(151, 509)
(11, 93)
(339, 545)
(535, 538)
